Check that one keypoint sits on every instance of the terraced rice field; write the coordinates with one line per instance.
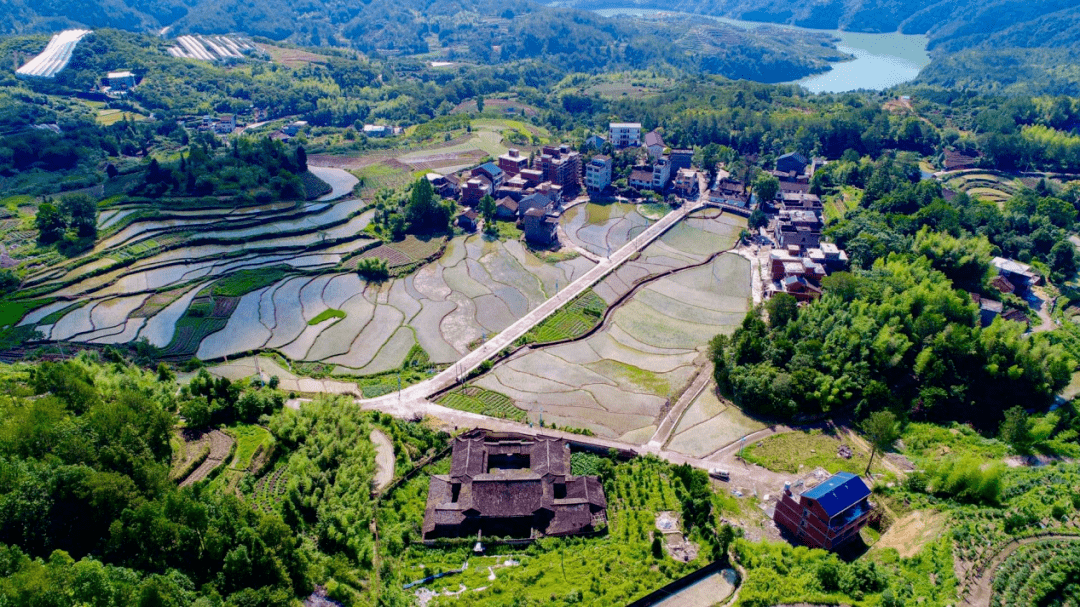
(603, 228)
(617, 381)
(175, 277)
(709, 424)
(991, 186)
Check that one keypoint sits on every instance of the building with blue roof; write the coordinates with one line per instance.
(827, 515)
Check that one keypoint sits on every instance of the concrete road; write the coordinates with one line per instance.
(413, 399)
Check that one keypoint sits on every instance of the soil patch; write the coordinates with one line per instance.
(909, 534)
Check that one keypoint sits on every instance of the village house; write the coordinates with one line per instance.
(681, 159)
(661, 174)
(225, 124)
(446, 186)
(827, 515)
(798, 272)
(654, 144)
(292, 129)
(494, 174)
(798, 227)
(686, 183)
(1018, 275)
(512, 162)
(729, 193)
(595, 142)
(467, 219)
(561, 166)
(536, 200)
(541, 226)
(624, 134)
(641, 178)
(598, 173)
(475, 188)
(511, 485)
(382, 130)
(506, 208)
(793, 162)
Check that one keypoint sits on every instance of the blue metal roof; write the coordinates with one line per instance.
(491, 168)
(839, 493)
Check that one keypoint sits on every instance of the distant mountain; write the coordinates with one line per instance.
(482, 31)
(969, 40)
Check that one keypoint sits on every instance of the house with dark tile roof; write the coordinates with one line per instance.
(511, 485)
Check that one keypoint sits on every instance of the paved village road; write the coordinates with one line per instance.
(413, 400)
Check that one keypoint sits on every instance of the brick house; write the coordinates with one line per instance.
(828, 515)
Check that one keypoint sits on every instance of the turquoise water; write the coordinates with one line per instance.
(880, 60)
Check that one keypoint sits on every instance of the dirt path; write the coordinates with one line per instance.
(671, 420)
(384, 459)
(220, 446)
(981, 589)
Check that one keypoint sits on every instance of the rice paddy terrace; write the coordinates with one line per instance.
(665, 306)
(222, 283)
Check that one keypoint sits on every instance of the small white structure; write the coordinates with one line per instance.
(121, 81)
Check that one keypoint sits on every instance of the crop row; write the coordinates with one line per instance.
(484, 402)
(1036, 572)
(270, 489)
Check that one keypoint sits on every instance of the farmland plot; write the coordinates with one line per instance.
(617, 381)
(602, 229)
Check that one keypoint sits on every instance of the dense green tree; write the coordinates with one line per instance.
(1015, 429)
(882, 430)
(766, 186)
(782, 309)
(50, 223)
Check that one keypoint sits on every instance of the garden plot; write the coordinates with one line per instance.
(617, 381)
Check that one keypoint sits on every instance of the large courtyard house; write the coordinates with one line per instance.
(827, 515)
(511, 486)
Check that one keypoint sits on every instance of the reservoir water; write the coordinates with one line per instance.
(880, 60)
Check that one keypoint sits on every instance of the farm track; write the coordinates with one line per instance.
(981, 589)
(220, 447)
(384, 460)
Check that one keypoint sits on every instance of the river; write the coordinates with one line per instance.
(880, 60)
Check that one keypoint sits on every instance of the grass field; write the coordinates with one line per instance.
(12, 311)
(111, 117)
(382, 175)
(795, 452)
(570, 321)
(484, 402)
(326, 315)
(246, 281)
(248, 440)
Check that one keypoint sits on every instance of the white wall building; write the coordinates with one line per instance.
(625, 134)
(598, 173)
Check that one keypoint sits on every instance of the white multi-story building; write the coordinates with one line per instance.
(661, 174)
(598, 173)
(625, 134)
